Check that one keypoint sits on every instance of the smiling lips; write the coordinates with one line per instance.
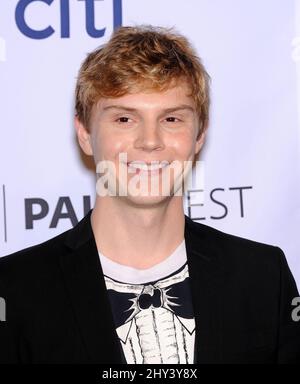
(153, 167)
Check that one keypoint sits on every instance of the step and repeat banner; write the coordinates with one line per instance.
(250, 164)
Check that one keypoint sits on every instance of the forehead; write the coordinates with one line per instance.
(149, 99)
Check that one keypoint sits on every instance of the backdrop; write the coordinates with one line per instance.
(250, 162)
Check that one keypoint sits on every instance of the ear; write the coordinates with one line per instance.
(84, 137)
(200, 142)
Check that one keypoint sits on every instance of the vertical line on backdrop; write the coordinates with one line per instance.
(296, 58)
(4, 213)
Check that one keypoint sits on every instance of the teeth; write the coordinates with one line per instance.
(148, 167)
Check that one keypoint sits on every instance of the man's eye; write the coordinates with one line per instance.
(172, 119)
(123, 119)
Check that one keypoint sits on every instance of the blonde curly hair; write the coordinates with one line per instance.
(138, 58)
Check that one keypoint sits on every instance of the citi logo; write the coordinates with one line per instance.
(25, 27)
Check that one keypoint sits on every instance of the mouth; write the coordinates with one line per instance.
(144, 168)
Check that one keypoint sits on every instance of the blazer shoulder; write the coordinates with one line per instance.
(237, 248)
(32, 259)
(223, 236)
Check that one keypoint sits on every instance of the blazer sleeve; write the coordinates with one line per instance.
(289, 329)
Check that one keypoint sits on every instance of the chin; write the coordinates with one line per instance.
(146, 201)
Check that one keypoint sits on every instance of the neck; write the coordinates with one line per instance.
(137, 236)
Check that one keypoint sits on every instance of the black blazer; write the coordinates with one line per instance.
(58, 311)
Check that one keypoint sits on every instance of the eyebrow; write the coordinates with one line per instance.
(166, 110)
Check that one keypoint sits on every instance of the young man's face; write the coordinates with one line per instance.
(158, 128)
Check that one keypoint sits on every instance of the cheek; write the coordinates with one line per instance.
(183, 146)
(109, 146)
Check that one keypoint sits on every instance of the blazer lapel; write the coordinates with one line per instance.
(87, 290)
(207, 276)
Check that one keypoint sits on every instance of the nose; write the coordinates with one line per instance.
(149, 137)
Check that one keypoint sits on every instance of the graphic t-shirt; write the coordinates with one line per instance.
(152, 309)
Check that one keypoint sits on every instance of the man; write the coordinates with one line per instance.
(137, 281)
